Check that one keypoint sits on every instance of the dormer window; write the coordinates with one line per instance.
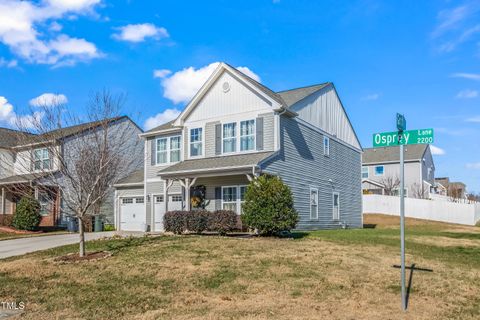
(41, 159)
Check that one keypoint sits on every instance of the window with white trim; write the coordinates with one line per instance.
(326, 146)
(196, 142)
(336, 206)
(168, 150)
(177, 198)
(379, 170)
(247, 135)
(41, 159)
(233, 198)
(364, 172)
(45, 203)
(313, 203)
(229, 139)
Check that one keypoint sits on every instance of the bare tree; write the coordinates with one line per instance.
(419, 191)
(455, 193)
(472, 197)
(85, 155)
(390, 184)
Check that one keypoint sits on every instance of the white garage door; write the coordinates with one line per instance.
(132, 214)
(175, 203)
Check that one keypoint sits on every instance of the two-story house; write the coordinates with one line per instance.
(26, 163)
(235, 129)
(381, 171)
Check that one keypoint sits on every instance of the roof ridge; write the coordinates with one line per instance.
(305, 87)
(16, 131)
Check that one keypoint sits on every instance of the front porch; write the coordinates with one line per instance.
(47, 196)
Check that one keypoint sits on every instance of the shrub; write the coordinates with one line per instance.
(197, 220)
(27, 215)
(108, 227)
(222, 221)
(175, 221)
(268, 206)
(6, 220)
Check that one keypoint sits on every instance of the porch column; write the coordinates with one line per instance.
(166, 185)
(187, 194)
(35, 191)
(2, 204)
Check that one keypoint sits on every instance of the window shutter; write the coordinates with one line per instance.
(259, 133)
(218, 198)
(152, 152)
(218, 139)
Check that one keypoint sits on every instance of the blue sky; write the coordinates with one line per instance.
(421, 58)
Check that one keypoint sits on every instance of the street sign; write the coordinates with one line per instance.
(401, 122)
(389, 139)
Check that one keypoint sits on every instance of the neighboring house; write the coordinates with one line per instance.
(456, 190)
(25, 159)
(381, 170)
(235, 129)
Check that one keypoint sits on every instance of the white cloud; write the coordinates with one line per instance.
(467, 94)
(161, 118)
(470, 76)
(139, 32)
(8, 63)
(370, 97)
(48, 99)
(474, 119)
(437, 151)
(182, 85)
(161, 73)
(473, 165)
(10, 118)
(21, 25)
(449, 19)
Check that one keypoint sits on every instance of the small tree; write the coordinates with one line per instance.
(419, 191)
(268, 206)
(390, 184)
(27, 214)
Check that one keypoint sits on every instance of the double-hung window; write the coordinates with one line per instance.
(364, 172)
(233, 198)
(379, 170)
(313, 203)
(247, 135)
(162, 152)
(326, 146)
(41, 159)
(175, 149)
(168, 150)
(229, 137)
(196, 142)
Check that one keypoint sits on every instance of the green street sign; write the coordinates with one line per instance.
(401, 122)
(389, 139)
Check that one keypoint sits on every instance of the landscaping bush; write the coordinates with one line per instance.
(108, 227)
(268, 206)
(6, 220)
(27, 215)
(222, 221)
(197, 220)
(175, 221)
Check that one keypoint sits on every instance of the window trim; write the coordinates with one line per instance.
(235, 129)
(189, 134)
(238, 202)
(310, 204)
(368, 172)
(167, 150)
(238, 136)
(41, 160)
(326, 150)
(375, 171)
(333, 206)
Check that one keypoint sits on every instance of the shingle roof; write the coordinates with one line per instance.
(23, 178)
(292, 96)
(10, 138)
(224, 162)
(134, 177)
(389, 154)
(165, 126)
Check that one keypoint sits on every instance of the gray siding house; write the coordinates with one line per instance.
(235, 129)
(381, 166)
(25, 162)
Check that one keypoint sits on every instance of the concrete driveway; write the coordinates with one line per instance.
(17, 247)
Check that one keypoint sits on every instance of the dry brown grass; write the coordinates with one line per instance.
(229, 278)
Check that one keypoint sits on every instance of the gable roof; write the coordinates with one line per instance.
(10, 138)
(163, 127)
(292, 96)
(136, 177)
(413, 152)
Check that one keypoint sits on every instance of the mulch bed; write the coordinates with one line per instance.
(15, 231)
(91, 256)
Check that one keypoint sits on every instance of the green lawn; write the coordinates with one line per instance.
(9, 235)
(342, 274)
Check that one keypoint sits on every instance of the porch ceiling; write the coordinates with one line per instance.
(233, 164)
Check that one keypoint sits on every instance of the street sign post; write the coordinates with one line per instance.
(402, 138)
(389, 139)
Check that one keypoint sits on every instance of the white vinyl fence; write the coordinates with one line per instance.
(461, 213)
